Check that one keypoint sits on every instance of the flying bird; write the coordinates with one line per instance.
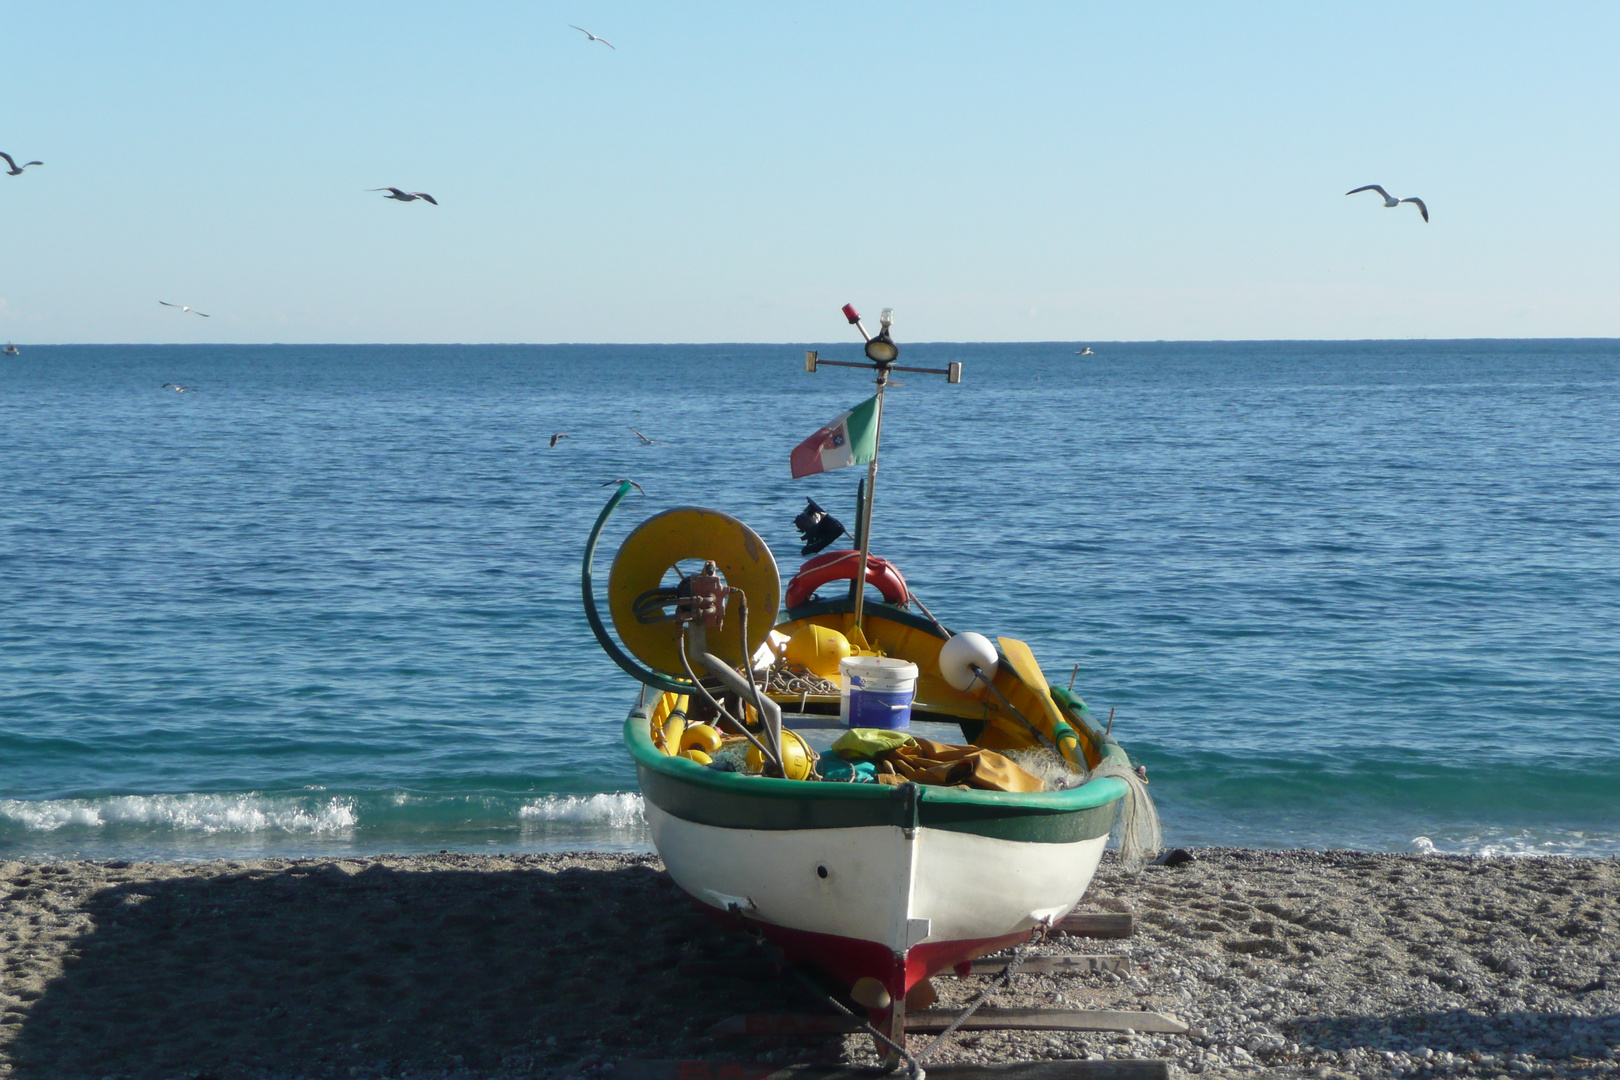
(593, 37)
(644, 440)
(405, 196)
(559, 435)
(16, 169)
(183, 309)
(177, 388)
(632, 483)
(1391, 201)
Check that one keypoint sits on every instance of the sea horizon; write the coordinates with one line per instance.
(830, 343)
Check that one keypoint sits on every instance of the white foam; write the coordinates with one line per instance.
(247, 812)
(618, 810)
(1497, 843)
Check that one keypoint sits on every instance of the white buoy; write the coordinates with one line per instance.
(962, 654)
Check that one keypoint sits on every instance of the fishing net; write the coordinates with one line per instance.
(1054, 773)
(1136, 831)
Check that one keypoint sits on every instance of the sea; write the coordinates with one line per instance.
(326, 601)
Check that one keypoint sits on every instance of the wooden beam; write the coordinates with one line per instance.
(936, 1020)
(1057, 964)
(1117, 1069)
(992, 1019)
(1096, 924)
(753, 968)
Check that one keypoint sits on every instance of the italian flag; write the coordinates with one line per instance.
(851, 439)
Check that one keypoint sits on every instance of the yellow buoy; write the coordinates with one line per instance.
(818, 649)
(697, 755)
(705, 737)
(797, 757)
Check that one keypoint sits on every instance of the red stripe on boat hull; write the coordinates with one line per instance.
(848, 959)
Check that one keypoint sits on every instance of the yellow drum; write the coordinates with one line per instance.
(690, 534)
(797, 757)
(703, 737)
(817, 649)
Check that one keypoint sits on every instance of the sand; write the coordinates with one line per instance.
(1286, 963)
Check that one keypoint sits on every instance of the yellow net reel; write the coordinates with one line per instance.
(692, 535)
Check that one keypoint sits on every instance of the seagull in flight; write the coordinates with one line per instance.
(177, 388)
(1391, 201)
(593, 37)
(632, 483)
(559, 435)
(405, 196)
(16, 170)
(644, 440)
(183, 309)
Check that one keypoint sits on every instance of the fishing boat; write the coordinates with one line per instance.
(936, 860)
(10, 349)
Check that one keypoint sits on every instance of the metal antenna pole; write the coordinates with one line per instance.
(881, 353)
(866, 508)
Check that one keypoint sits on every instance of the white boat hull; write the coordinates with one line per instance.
(873, 884)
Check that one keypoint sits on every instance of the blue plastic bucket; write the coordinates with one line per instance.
(876, 691)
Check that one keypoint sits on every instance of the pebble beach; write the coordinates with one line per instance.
(1283, 963)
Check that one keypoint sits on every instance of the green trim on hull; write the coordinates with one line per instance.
(1001, 823)
(842, 606)
(707, 796)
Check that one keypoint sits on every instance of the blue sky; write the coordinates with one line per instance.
(736, 172)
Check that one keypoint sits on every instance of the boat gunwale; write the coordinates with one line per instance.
(1089, 796)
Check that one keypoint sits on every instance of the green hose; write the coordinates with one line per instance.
(587, 590)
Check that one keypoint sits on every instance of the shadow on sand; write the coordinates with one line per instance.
(320, 970)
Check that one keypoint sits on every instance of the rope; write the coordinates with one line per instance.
(944, 633)
(783, 679)
(913, 1066)
(1019, 955)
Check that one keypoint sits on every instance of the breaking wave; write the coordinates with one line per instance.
(618, 810)
(247, 812)
(1517, 843)
(298, 823)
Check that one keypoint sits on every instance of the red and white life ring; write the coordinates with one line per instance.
(835, 565)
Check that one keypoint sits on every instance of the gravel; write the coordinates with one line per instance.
(1285, 963)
